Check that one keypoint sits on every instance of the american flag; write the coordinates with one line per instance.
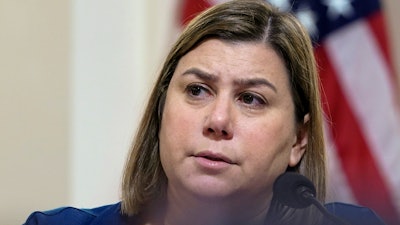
(360, 98)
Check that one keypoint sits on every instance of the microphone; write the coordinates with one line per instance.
(297, 191)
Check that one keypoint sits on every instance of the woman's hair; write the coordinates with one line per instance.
(235, 21)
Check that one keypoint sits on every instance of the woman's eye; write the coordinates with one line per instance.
(196, 90)
(247, 98)
(252, 100)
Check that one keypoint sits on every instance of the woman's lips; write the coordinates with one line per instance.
(212, 162)
(214, 157)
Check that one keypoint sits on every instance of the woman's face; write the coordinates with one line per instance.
(228, 127)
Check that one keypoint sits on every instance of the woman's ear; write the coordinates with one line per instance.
(301, 140)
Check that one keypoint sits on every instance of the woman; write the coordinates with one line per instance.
(269, 104)
(235, 105)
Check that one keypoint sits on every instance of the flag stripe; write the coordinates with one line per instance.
(378, 31)
(357, 162)
(190, 8)
(370, 81)
(338, 189)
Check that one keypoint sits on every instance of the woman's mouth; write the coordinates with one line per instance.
(214, 156)
(212, 162)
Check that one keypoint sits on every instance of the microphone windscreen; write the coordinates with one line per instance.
(289, 190)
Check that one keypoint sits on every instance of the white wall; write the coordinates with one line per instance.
(74, 76)
(113, 45)
(34, 124)
(392, 8)
(104, 91)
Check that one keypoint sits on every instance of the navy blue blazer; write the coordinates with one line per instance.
(111, 215)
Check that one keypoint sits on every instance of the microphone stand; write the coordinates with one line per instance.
(310, 197)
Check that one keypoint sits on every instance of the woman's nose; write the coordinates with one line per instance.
(219, 120)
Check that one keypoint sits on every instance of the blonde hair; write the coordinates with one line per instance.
(234, 21)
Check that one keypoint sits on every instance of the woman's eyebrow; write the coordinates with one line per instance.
(245, 82)
(200, 74)
(251, 82)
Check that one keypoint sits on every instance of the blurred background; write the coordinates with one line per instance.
(74, 78)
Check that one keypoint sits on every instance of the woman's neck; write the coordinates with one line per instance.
(184, 210)
(211, 216)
